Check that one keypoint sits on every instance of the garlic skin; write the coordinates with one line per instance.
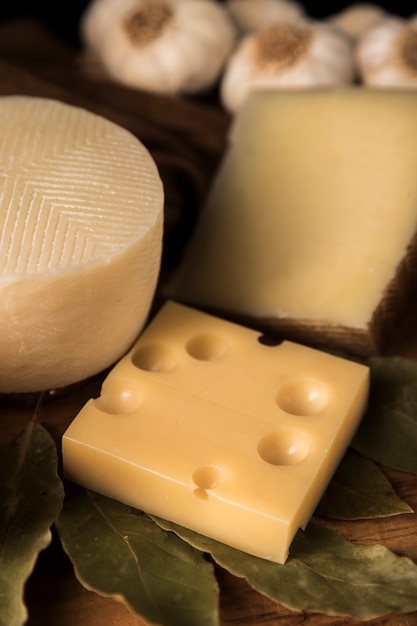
(355, 19)
(386, 54)
(286, 55)
(162, 46)
(251, 15)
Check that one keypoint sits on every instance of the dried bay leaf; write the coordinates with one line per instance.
(119, 552)
(325, 573)
(360, 490)
(31, 496)
(388, 432)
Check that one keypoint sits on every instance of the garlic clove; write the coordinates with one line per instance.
(386, 54)
(286, 55)
(164, 46)
(251, 15)
(355, 19)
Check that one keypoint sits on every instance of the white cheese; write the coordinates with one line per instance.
(81, 209)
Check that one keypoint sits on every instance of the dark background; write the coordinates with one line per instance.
(63, 17)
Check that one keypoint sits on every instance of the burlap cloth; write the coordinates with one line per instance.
(185, 136)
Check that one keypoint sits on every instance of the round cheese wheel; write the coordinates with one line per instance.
(81, 219)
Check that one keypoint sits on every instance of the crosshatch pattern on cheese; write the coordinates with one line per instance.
(56, 191)
(205, 425)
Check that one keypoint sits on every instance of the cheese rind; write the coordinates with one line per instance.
(310, 216)
(202, 424)
(81, 210)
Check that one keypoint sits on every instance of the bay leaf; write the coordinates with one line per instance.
(360, 490)
(31, 496)
(388, 432)
(325, 573)
(119, 552)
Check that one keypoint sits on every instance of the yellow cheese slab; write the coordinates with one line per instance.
(310, 224)
(81, 210)
(203, 424)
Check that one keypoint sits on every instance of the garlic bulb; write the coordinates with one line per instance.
(286, 55)
(386, 54)
(250, 15)
(164, 46)
(355, 19)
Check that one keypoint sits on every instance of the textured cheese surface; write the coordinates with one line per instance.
(204, 425)
(312, 209)
(80, 241)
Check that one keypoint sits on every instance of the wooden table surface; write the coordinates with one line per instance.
(55, 598)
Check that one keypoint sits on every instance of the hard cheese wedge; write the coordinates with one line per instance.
(81, 209)
(310, 224)
(203, 424)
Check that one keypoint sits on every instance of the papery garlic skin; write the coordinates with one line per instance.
(386, 54)
(355, 19)
(251, 15)
(286, 56)
(163, 46)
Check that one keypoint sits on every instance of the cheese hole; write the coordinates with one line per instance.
(206, 347)
(303, 397)
(117, 399)
(207, 477)
(284, 447)
(270, 340)
(154, 358)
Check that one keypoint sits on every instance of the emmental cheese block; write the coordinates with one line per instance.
(81, 211)
(203, 424)
(309, 229)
